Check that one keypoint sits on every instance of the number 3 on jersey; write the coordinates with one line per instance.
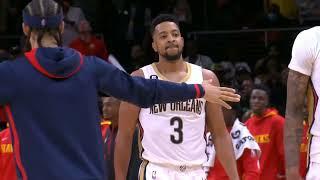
(176, 138)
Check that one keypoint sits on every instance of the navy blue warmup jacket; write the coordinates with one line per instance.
(50, 97)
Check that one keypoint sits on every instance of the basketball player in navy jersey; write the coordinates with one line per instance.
(172, 134)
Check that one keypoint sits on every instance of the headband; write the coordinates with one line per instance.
(42, 22)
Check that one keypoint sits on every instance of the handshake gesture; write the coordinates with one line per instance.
(219, 95)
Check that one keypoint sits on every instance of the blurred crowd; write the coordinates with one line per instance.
(121, 27)
(121, 36)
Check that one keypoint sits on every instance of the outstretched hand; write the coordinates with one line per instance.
(219, 95)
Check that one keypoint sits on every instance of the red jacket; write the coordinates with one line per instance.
(96, 47)
(7, 163)
(105, 124)
(248, 168)
(268, 132)
(247, 165)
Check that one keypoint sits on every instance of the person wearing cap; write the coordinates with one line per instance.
(51, 94)
(87, 43)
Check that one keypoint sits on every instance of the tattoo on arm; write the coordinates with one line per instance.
(293, 130)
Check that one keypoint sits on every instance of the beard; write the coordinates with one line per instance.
(172, 57)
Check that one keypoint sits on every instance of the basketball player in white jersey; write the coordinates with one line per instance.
(173, 134)
(303, 80)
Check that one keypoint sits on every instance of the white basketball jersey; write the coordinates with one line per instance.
(173, 133)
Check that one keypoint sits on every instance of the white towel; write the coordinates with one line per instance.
(242, 139)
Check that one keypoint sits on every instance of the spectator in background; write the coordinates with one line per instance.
(309, 12)
(246, 149)
(265, 70)
(243, 72)
(72, 17)
(226, 72)
(183, 13)
(194, 57)
(273, 17)
(245, 92)
(140, 19)
(287, 8)
(269, 71)
(7, 162)
(87, 43)
(138, 58)
(110, 112)
(266, 125)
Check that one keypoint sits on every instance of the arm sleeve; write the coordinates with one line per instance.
(304, 53)
(250, 165)
(140, 91)
(7, 88)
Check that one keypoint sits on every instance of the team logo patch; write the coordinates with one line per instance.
(183, 168)
(43, 22)
(236, 135)
(154, 174)
(154, 77)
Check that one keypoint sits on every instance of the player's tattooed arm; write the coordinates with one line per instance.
(296, 93)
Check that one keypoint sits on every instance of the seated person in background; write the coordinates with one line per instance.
(110, 112)
(87, 43)
(245, 147)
